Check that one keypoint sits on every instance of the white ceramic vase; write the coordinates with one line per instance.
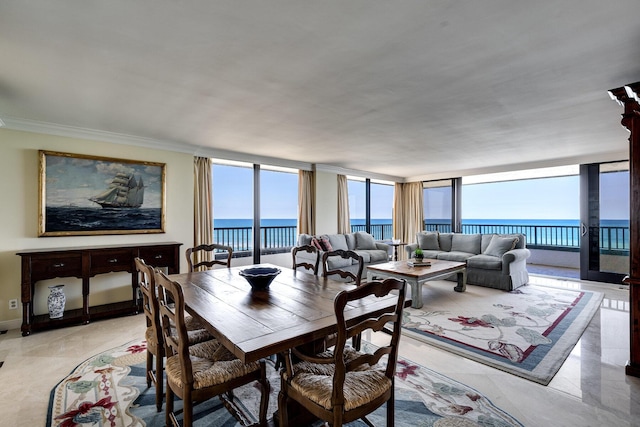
(56, 301)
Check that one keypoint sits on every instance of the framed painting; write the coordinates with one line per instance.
(89, 195)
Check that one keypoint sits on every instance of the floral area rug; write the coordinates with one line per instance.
(528, 332)
(110, 390)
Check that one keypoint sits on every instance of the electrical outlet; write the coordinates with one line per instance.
(13, 304)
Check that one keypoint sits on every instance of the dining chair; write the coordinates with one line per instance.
(153, 333)
(305, 263)
(202, 371)
(196, 256)
(342, 272)
(342, 385)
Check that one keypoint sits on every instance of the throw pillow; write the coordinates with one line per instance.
(365, 241)
(326, 245)
(338, 241)
(315, 242)
(468, 243)
(428, 240)
(499, 245)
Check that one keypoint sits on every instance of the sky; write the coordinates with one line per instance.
(73, 180)
(542, 198)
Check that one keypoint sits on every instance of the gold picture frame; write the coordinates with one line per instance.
(84, 195)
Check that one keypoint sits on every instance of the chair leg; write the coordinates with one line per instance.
(187, 411)
(391, 408)
(149, 367)
(169, 407)
(282, 406)
(265, 389)
(337, 415)
(357, 342)
(159, 376)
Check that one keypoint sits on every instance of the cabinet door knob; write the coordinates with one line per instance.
(113, 260)
(158, 257)
(61, 264)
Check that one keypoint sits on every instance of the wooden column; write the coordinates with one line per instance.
(628, 97)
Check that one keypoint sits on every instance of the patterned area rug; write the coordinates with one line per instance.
(528, 332)
(110, 390)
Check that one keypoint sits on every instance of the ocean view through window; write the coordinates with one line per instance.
(546, 210)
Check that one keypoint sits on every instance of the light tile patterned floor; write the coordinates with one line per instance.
(591, 388)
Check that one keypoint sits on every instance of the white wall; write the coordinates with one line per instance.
(326, 205)
(19, 215)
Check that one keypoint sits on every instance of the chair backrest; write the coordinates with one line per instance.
(196, 256)
(174, 329)
(147, 286)
(345, 274)
(376, 322)
(305, 264)
(351, 361)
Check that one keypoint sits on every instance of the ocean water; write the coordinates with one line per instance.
(101, 219)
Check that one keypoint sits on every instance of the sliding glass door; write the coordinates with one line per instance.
(604, 212)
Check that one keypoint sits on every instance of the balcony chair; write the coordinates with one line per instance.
(202, 371)
(343, 385)
(196, 256)
(307, 265)
(153, 333)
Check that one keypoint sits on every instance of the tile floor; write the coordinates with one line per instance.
(591, 388)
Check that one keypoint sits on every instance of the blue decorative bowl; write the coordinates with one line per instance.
(260, 277)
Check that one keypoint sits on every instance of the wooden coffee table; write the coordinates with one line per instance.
(416, 276)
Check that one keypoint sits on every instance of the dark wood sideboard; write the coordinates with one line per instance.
(84, 263)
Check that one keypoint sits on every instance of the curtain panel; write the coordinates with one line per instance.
(203, 206)
(344, 223)
(408, 215)
(306, 200)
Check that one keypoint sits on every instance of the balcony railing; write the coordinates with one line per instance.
(379, 231)
(276, 239)
(612, 238)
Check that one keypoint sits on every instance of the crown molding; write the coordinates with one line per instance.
(352, 172)
(124, 139)
(94, 135)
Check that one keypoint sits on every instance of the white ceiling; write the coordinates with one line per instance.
(403, 88)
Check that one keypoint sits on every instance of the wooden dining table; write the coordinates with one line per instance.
(295, 310)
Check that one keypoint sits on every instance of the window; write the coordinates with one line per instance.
(278, 209)
(357, 188)
(438, 204)
(233, 207)
(381, 226)
(371, 207)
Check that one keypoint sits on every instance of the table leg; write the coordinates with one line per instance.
(416, 293)
(395, 253)
(462, 281)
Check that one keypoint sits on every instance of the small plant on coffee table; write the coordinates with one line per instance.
(418, 254)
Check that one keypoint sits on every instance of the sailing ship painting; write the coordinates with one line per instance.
(87, 195)
(123, 192)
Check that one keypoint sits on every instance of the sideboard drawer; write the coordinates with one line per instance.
(111, 260)
(56, 266)
(161, 256)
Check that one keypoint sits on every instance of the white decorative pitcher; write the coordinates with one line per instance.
(56, 301)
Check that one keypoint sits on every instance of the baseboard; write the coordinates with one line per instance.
(7, 325)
